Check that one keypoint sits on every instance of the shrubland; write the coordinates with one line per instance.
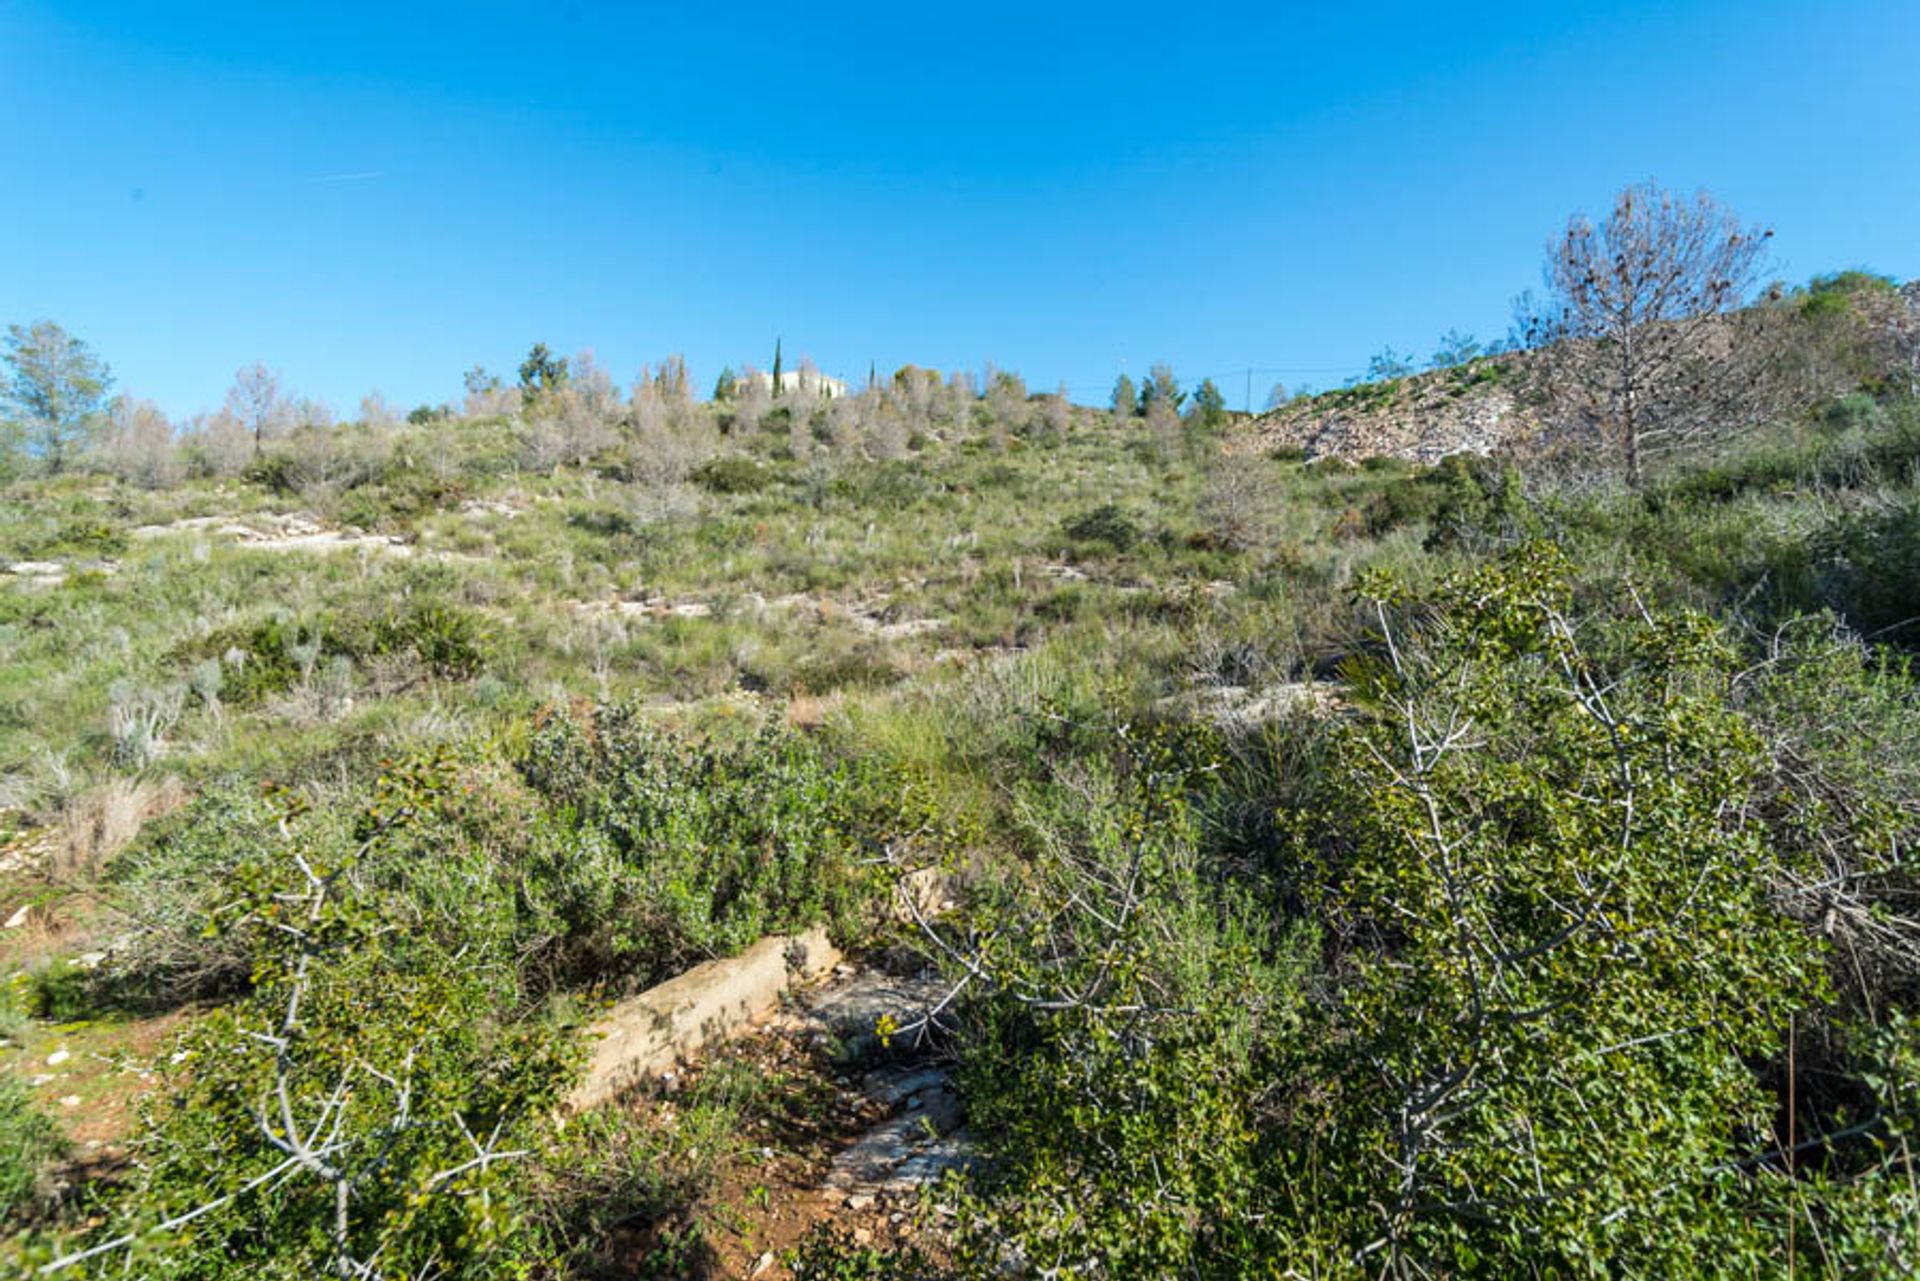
(1373, 869)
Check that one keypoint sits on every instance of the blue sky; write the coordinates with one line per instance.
(381, 196)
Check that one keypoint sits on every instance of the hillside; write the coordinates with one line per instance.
(942, 832)
(1479, 407)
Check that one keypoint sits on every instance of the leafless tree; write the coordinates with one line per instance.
(753, 397)
(376, 413)
(916, 393)
(1163, 425)
(138, 445)
(1238, 504)
(216, 444)
(1057, 415)
(1006, 404)
(888, 435)
(802, 399)
(669, 435)
(487, 397)
(1634, 345)
(312, 411)
(957, 410)
(593, 387)
(257, 402)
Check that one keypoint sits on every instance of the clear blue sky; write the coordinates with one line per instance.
(380, 196)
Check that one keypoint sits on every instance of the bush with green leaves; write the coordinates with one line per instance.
(733, 474)
(31, 1143)
(1106, 524)
(165, 887)
(1117, 998)
(1562, 953)
(356, 1112)
(277, 653)
(659, 848)
(1534, 978)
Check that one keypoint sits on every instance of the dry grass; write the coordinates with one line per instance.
(99, 822)
(810, 711)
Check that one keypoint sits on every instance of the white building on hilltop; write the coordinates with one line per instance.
(803, 379)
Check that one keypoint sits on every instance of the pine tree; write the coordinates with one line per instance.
(55, 388)
(778, 385)
(1123, 399)
(1209, 405)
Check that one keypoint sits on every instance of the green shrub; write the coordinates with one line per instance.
(659, 848)
(169, 882)
(275, 654)
(1107, 524)
(1125, 988)
(368, 1096)
(30, 1146)
(1562, 949)
(58, 991)
(1871, 570)
(733, 474)
(451, 641)
(828, 1253)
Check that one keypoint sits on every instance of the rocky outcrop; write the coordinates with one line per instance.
(1469, 409)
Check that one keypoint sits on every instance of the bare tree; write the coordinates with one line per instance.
(1057, 414)
(752, 399)
(138, 444)
(916, 393)
(257, 401)
(215, 444)
(487, 396)
(1635, 344)
(888, 435)
(1006, 405)
(377, 414)
(668, 434)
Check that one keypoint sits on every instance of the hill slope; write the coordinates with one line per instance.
(1469, 408)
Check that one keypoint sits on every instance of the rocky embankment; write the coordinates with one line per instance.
(1471, 408)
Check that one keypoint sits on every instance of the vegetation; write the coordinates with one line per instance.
(1475, 869)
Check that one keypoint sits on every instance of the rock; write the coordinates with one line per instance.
(1236, 707)
(761, 1264)
(891, 1088)
(930, 891)
(900, 1154)
(929, 1165)
(859, 1201)
(58, 1057)
(852, 1010)
(19, 916)
(647, 1034)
